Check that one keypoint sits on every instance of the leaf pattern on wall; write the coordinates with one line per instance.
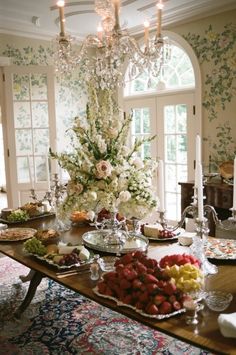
(70, 90)
(220, 50)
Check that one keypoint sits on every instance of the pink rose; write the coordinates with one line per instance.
(103, 169)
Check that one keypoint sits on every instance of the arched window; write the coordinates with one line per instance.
(177, 73)
(165, 106)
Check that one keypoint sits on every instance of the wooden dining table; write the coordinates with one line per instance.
(206, 334)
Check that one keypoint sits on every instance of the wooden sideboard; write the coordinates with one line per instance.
(218, 194)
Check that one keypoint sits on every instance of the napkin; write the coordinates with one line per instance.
(227, 323)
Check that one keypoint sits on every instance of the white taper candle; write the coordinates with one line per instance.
(47, 173)
(161, 186)
(200, 192)
(234, 195)
(30, 173)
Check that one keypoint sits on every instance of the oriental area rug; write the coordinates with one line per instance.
(61, 322)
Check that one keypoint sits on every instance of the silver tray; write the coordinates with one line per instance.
(156, 316)
(95, 240)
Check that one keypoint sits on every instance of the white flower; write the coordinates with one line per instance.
(125, 151)
(101, 144)
(104, 169)
(74, 187)
(112, 132)
(124, 196)
(138, 163)
(92, 195)
(91, 215)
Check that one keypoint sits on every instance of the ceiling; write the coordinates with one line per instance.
(39, 18)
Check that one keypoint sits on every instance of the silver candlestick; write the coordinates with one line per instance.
(33, 195)
(198, 247)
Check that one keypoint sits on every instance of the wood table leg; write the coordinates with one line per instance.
(35, 281)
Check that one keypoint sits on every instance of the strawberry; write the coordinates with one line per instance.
(150, 271)
(172, 299)
(152, 309)
(151, 288)
(132, 275)
(127, 299)
(165, 307)
(139, 305)
(138, 254)
(101, 286)
(125, 284)
(144, 297)
(176, 305)
(137, 284)
(159, 299)
(149, 279)
(161, 284)
(169, 288)
(151, 263)
(110, 275)
(127, 258)
(140, 268)
(119, 269)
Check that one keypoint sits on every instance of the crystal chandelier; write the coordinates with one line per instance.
(112, 49)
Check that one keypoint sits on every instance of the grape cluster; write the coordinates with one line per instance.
(34, 246)
(18, 216)
(166, 234)
(70, 259)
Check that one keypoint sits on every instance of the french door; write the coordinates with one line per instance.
(171, 119)
(30, 131)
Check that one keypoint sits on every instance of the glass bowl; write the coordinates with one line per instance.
(218, 300)
(107, 263)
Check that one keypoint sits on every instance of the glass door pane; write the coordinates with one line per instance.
(31, 105)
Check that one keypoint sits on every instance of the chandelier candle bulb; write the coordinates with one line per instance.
(146, 33)
(234, 195)
(60, 5)
(116, 8)
(100, 32)
(161, 186)
(159, 14)
(200, 192)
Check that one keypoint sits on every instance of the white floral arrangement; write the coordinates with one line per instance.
(105, 172)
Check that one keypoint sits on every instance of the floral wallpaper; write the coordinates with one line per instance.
(218, 50)
(70, 90)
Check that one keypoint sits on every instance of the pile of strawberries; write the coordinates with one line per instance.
(139, 281)
(179, 259)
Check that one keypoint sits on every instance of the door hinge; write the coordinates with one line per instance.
(3, 77)
(8, 152)
(194, 110)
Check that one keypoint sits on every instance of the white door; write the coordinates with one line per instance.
(144, 123)
(171, 119)
(30, 129)
(176, 121)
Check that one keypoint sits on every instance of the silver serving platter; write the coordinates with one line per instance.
(156, 316)
(96, 240)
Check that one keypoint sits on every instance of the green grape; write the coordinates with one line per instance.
(18, 216)
(35, 246)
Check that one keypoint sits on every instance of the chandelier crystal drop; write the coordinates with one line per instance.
(112, 49)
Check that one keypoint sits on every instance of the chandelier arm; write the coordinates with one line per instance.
(147, 54)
